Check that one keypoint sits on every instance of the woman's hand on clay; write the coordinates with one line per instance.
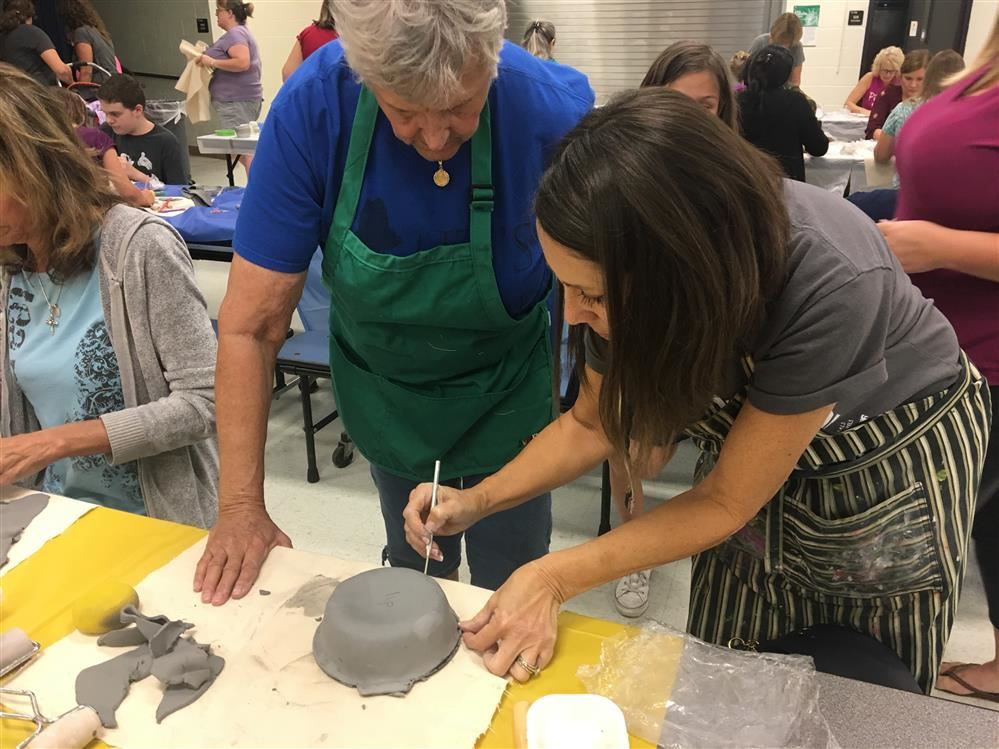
(455, 512)
(25, 455)
(521, 619)
(237, 546)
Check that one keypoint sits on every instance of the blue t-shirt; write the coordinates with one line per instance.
(299, 163)
(70, 375)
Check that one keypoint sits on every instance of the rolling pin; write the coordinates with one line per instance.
(16, 648)
(74, 730)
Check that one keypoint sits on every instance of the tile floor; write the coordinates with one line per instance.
(340, 514)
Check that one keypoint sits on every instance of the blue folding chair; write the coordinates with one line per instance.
(306, 357)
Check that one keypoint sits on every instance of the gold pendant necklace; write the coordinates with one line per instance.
(441, 177)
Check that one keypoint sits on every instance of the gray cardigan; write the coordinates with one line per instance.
(159, 327)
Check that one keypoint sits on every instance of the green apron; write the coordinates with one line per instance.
(427, 363)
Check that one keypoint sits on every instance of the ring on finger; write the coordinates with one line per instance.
(533, 670)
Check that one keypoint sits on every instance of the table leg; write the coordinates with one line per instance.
(230, 169)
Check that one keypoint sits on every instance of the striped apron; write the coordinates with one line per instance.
(870, 531)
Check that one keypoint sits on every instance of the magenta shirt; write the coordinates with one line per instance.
(873, 92)
(947, 157)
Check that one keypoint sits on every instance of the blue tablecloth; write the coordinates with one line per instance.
(200, 224)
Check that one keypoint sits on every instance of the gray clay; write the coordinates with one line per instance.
(178, 697)
(185, 667)
(122, 638)
(186, 656)
(386, 629)
(264, 592)
(15, 516)
(104, 686)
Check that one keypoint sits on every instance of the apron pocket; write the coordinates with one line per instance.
(889, 549)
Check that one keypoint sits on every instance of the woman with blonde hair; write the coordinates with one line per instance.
(884, 74)
(946, 234)
(107, 389)
(539, 39)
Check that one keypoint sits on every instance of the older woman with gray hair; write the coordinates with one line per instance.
(409, 149)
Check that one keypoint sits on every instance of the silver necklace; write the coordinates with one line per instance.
(54, 311)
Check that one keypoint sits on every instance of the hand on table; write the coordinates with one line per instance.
(912, 242)
(520, 619)
(237, 546)
(455, 512)
(24, 455)
(147, 198)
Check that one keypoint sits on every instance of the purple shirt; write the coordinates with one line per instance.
(245, 86)
(947, 157)
(96, 140)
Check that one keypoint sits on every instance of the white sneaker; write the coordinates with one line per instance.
(631, 595)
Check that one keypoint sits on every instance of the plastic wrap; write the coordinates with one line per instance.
(677, 691)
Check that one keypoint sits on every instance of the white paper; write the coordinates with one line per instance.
(271, 693)
(58, 515)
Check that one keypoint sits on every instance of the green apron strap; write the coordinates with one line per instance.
(361, 134)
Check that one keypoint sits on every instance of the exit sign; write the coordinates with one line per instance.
(856, 18)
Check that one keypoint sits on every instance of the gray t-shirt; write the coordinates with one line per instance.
(763, 40)
(849, 327)
(22, 47)
(103, 51)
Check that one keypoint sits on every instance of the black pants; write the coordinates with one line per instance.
(985, 531)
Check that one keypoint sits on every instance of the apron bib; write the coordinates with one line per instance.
(427, 363)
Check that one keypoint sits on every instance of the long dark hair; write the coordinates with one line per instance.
(15, 12)
(766, 70)
(681, 58)
(688, 225)
(326, 20)
(77, 13)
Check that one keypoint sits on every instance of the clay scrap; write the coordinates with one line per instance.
(15, 516)
(185, 668)
(386, 629)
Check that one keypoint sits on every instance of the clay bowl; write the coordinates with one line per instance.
(386, 629)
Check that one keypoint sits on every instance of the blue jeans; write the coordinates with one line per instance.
(496, 545)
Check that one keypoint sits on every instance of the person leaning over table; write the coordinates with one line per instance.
(841, 429)
(108, 356)
(786, 32)
(414, 172)
(912, 73)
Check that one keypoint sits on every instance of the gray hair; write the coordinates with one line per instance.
(539, 38)
(419, 49)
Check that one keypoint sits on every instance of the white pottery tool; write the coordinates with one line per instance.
(433, 504)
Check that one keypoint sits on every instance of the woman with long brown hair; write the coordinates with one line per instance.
(767, 321)
(90, 38)
(696, 70)
(107, 389)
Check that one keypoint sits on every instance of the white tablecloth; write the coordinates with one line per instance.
(848, 163)
(843, 125)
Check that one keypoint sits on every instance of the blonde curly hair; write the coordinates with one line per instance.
(892, 56)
